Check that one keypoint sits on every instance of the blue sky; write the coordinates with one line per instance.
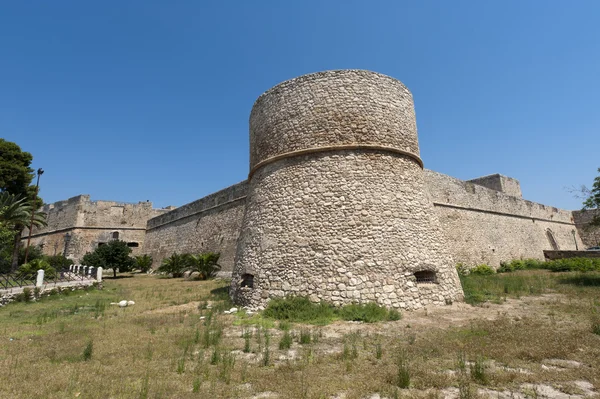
(147, 100)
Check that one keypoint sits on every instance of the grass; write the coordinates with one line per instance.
(160, 348)
(302, 310)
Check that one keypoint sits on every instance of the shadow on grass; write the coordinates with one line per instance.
(587, 280)
(116, 278)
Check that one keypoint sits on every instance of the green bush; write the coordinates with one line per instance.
(29, 270)
(299, 309)
(302, 310)
(574, 265)
(58, 262)
(174, 265)
(482, 270)
(205, 264)
(143, 263)
(368, 312)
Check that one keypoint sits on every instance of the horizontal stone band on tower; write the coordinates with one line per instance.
(343, 147)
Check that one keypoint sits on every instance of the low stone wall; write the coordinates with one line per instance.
(553, 255)
(11, 295)
(210, 224)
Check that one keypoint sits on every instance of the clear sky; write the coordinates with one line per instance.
(147, 100)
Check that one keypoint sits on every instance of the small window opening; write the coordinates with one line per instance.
(101, 244)
(133, 244)
(115, 235)
(247, 280)
(425, 277)
(551, 239)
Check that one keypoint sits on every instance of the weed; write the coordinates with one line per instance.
(403, 372)
(247, 334)
(267, 353)
(196, 384)
(88, 350)
(215, 357)
(478, 370)
(226, 367)
(286, 340)
(305, 336)
(378, 351)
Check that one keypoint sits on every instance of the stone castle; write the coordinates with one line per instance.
(337, 206)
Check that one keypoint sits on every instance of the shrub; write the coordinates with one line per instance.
(205, 264)
(174, 265)
(482, 270)
(300, 309)
(574, 265)
(29, 270)
(143, 263)
(369, 313)
(58, 262)
(462, 269)
(286, 340)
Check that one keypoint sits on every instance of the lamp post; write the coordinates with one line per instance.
(40, 172)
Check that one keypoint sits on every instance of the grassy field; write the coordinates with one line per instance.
(529, 327)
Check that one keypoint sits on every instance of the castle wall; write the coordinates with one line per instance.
(487, 226)
(78, 225)
(210, 224)
(336, 208)
(589, 235)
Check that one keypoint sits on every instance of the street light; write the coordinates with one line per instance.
(40, 172)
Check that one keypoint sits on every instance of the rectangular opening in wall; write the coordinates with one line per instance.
(133, 244)
(425, 277)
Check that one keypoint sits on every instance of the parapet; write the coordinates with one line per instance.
(498, 182)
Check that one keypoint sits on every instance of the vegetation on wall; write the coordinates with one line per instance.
(113, 255)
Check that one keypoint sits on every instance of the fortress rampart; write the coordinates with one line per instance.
(78, 225)
(336, 208)
(209, 224)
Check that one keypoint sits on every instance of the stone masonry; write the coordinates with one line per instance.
(78, 225)
(336, 207)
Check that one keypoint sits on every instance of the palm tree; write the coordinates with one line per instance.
(205, 264)
(15, 214)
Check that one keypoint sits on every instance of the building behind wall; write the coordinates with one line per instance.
(78, 225)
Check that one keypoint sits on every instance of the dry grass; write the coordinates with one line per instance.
(160, 348)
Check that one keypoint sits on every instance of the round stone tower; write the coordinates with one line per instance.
(336, 207)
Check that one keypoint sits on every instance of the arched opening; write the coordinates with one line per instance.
(425, 277)
(551, 239)
(247, 280)
(115, 235)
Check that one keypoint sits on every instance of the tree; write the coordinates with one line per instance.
(15, 214)
(15, 173)
(174, 264)
(143, 262)
(113, 255)
(593, 200)
(205, 264)
(15, 178)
